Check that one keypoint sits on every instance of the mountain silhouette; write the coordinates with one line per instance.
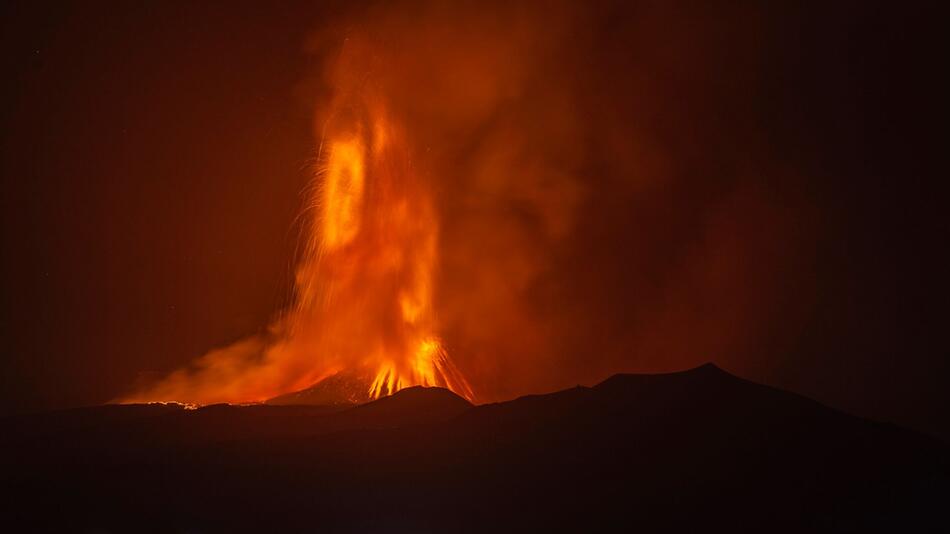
(699, 449)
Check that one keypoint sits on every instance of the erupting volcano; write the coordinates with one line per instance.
(362, 324)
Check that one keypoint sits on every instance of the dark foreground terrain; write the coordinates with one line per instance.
(693, 451)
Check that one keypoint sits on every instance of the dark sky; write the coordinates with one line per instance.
(153, 158)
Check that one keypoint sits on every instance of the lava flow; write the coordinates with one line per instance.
(363, 304)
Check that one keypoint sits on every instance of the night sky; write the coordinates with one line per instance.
(753, 186)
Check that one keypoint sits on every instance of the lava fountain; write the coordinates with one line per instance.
(362, 317)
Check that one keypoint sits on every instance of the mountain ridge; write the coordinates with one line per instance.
(676, 451)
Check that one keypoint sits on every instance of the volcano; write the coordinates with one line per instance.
(362, 323)
(343, 388)
(673, 452)
(352, 389)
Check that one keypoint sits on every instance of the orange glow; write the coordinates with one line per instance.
(343, 193)
(364, 287)
(503, 193)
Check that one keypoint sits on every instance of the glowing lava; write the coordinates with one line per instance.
(367, 286)
(363, 304)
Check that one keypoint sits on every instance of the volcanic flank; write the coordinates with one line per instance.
(683, 451)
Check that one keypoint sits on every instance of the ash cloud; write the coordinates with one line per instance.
(607, 202)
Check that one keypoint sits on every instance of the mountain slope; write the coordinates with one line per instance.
(673, 452)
